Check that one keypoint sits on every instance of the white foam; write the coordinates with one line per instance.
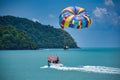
(44, 67)
(95, 69)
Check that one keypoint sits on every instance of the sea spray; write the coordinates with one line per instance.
(88, 68)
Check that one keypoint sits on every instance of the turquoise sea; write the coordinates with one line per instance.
(79, 64)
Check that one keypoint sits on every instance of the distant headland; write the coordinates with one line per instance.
(21, 33)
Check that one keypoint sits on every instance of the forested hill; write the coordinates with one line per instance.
(21, 33)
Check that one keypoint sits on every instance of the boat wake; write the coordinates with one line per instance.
(94, 69)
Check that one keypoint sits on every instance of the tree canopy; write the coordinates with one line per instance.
(22, 33)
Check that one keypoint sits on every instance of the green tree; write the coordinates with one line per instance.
(11, 38)
(34, 33)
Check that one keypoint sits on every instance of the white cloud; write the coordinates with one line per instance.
(115, 18)
(100, 12)
(103, 16)
(109, 3)
(51, 16)
(35, 20)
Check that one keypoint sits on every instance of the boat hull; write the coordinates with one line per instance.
(55, 65)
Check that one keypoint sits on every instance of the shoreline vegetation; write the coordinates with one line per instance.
(23, 34)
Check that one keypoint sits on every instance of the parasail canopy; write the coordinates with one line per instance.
(74, 17)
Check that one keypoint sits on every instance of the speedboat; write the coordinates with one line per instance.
(54, 61)
(66, 47)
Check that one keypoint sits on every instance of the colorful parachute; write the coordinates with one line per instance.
(74, 17)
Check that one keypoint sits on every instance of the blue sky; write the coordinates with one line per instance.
(105, 14)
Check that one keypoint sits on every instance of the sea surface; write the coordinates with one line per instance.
(79, 64)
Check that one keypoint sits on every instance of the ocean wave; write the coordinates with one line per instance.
(88, 68)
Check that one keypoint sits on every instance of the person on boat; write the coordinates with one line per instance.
(57, 61)
(48, 64)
